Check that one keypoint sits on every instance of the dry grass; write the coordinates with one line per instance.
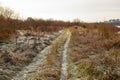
(11, 63)
(15, 58)
(50, 72)
(95, 56)
(52, 66)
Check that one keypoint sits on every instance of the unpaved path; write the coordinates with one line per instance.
(64, 59)
(33, 70)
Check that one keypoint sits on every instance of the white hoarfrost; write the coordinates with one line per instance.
(31, 71)
(64, 60)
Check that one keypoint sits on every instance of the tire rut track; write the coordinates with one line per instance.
(64, 59)
(47, 64)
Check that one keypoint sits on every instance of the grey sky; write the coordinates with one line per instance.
(86, 10)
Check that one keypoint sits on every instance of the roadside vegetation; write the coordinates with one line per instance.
(94, 49)
(94, 54)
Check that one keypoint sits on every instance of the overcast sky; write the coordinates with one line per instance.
(85, 10)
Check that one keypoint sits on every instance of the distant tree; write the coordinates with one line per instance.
(84, 26)
(7, 13)
(76, 21)
(95, 26)
(1, 10)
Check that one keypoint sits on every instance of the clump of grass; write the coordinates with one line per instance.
(95, 26)
(24, 58)
(50, 59)
(112, 43)
(11, 63)
(84, 26)
(48, 72)
(4, 77)
(88, 69)
(115, 54)
(106, 32)
(6, 57)
(75, 56)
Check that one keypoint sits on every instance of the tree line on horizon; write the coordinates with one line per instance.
(10, 22)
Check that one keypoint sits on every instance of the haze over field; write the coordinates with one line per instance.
(85, 10)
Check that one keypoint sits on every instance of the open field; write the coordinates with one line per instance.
(16, 55)
(38, 49)
(74, 53)
(94, 55)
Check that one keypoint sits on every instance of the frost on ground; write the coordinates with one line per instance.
(64, 63)
(94, 55)
(47, 64)
(16, 55)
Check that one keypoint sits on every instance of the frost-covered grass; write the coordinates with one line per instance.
(13, 57)
(94, 54)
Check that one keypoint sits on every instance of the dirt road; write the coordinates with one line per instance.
(50, 63)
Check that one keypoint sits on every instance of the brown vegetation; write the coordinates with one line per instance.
(12, 63)
(94, 48)
(10, 22)
(95, 53)
(52, 66)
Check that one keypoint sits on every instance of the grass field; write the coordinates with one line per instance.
(94, 54)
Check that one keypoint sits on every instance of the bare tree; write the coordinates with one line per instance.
(8, 13)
